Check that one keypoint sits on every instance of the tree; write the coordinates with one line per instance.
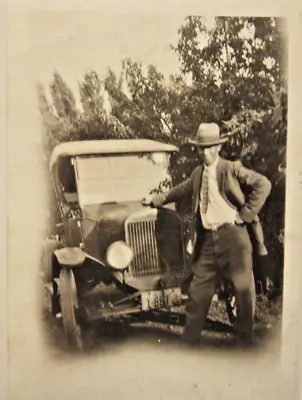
(63, 121)
(63, 98)
(90, 96)
(239, 58)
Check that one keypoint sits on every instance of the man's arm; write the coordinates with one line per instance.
(183, 190)
(261, 188)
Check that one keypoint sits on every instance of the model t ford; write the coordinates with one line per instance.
(110, 257)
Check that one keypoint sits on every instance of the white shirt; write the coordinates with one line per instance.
(218, 211)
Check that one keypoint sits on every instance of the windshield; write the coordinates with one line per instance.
(119, 178)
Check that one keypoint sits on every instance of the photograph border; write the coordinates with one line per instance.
(291, 319)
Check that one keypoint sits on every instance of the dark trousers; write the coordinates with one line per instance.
(225, 253)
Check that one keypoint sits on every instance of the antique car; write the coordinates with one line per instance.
(110, 257)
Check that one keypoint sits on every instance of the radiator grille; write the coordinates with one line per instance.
(157, 244)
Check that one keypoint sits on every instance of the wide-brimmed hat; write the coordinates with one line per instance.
(208, 135)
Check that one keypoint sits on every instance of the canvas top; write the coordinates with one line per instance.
(108, 146)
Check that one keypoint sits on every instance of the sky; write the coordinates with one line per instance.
(74, 42)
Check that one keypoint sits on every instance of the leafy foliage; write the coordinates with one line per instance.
(232, 72)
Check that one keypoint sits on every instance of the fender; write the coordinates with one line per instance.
(70, 256)
(73, 257)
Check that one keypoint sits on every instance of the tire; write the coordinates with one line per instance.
(48, 249)
(51, 303)
(69, 304)
(231, 304)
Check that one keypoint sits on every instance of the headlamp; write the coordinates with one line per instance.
(119, 255)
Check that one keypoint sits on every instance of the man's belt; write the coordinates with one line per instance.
(222, 226)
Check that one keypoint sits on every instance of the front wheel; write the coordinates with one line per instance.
(69, 305)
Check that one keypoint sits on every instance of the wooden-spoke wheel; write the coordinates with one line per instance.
(69, 305)
(231, 306)
(231, 309)
(49, 299)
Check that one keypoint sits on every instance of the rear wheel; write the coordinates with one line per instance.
(231, 306)
(69, 305)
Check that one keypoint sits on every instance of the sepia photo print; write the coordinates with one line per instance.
(147, 197)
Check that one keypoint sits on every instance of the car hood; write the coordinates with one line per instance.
(117, 212)
(104, 224)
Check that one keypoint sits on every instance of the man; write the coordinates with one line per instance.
(221, 243)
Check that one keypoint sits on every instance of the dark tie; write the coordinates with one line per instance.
(205, 191)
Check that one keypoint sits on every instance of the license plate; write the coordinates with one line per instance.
(161, 298)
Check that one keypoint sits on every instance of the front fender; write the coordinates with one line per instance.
(70, 256)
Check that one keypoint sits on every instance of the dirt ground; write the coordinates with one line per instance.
(218, 332)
